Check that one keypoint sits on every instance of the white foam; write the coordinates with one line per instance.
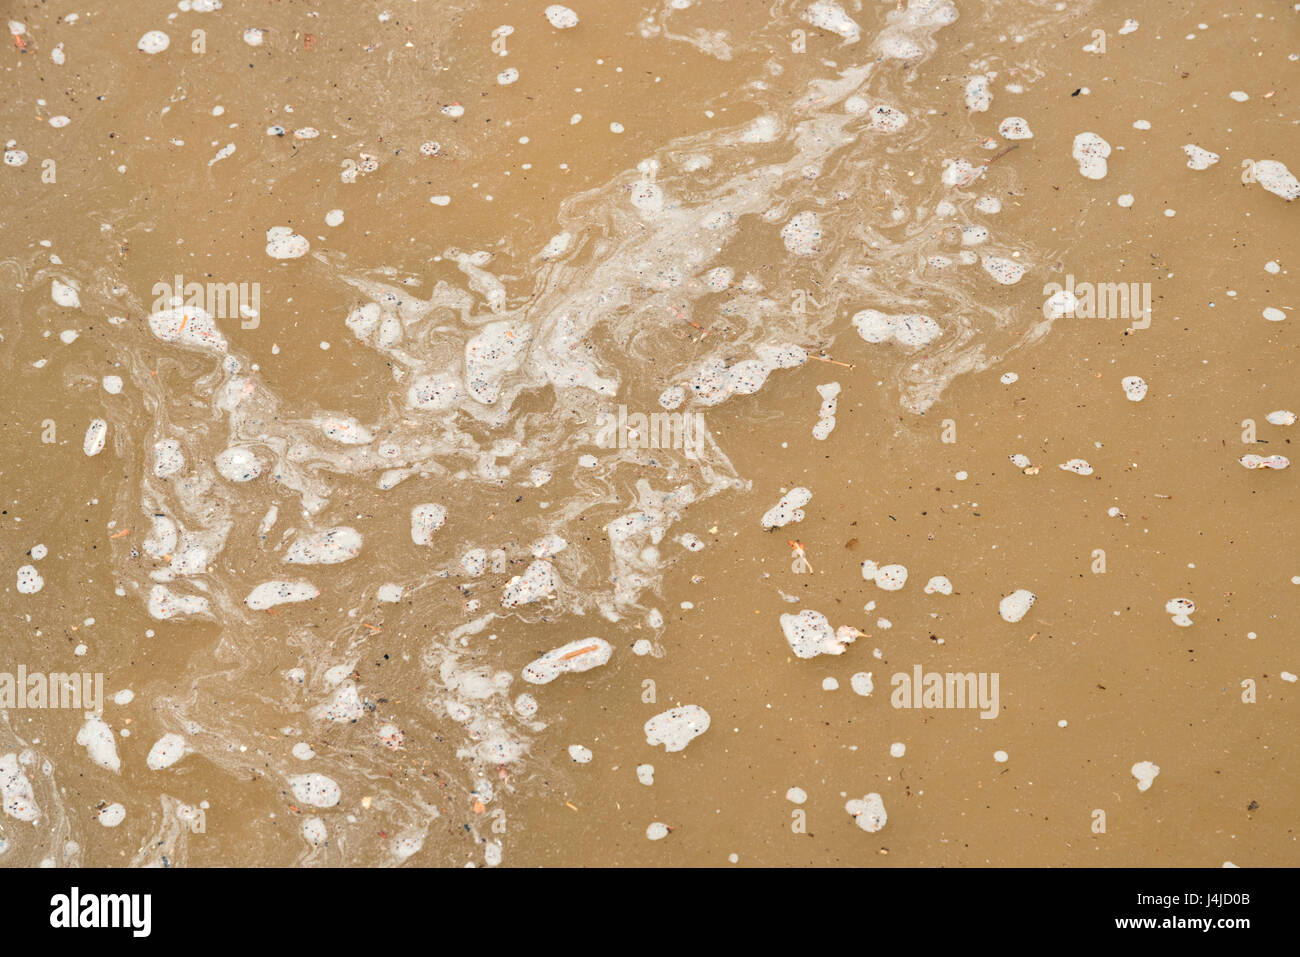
(572, 658)
(426, 519)
(910, 330)
(809, 634)
(65, 294)
(168, 459)
(165, 604)
(19, 800)
(1015, 128)
(978, 96)
(97, 738)
(1181, 610)
(788, 509)
(314, 831)
(166, 751)
(316, 790)
(283, 243)
(868, 812)
(1145, 772)
(29, 580)
(1015, 606)
(826, 414)
(803, 233)
(1135, 388)
(155, 41)
(1005, 271)
(827, 15)
(1253, 461)
(677, 727)
(96, 434)
(330, 546)
(886, 577)
(272, 593)
(1199, 159)
(537, 582)
(1277, 179)
(238, 464)
(188, 326)
(561, 17)
(1090, 151)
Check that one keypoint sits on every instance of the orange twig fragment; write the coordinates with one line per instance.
(579, 651)
(690, 322)
(796, 551)
(125, 531)
(834, 362)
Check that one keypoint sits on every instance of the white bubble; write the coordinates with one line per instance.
(676, 727)
(96, 435)
(283, 243)
(1090, 151)
(29, 580)
(65, 294)
(561, 17)
(315, 789)
(1015, 606)
(1015, 128)
(938, 585)
(166, 751)
(868, 812)
(155, 41)
(830, 16)
(1145, 772)
(803, 233)
(1135, 388)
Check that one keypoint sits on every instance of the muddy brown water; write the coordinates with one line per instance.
(734, 118)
